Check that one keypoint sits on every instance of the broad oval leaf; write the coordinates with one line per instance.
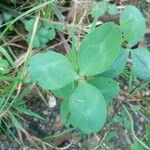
(51, 70)
(119, 64)
(108, 87)
(133, 25)
(64, 92)
(88, 108)
(99, 49)
(141, 63)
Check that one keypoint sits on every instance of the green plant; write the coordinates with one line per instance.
(81, 77)
(11, 112)
(4, 64)
(45, 32)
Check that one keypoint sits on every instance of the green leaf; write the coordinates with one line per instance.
(108, 87)
(47, 25)
(137, 146)
(148, 133)
(88, 108)
(99, 49)
(112, 9)
(64, 92)
(133, 25)
(7, 16)
(99, 9)
(36, 42)
(141, 63)
(23, 110)
(65, 113)
(73, 58)
(59, 26)
(45, 35)
(4, 66)
(30, 23)
(52, 34)
(51, 70)
(119, 64)
(15, 121)
(111, 135)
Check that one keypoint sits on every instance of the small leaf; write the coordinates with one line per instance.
(112, 9)
(16, 123)
(108, 87)
(51, 70)
(4, 66)
(47, 25)
(141, 63)
(7, 16)
(30, 23)
(73, 57)
(99, 49)
(52, 34)
(36, 42)
(111, 135)
(59, 26)
(87, 108)
(64, 92)
(23, 110)
(119, 64)
(99, 9)
(45, 35)
(133, 25)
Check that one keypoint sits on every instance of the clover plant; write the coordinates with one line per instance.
(83, 78)
(45, 32)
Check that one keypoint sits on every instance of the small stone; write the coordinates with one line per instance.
(52, 101)
(45, 112)
(93, 142)
(147, 93)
